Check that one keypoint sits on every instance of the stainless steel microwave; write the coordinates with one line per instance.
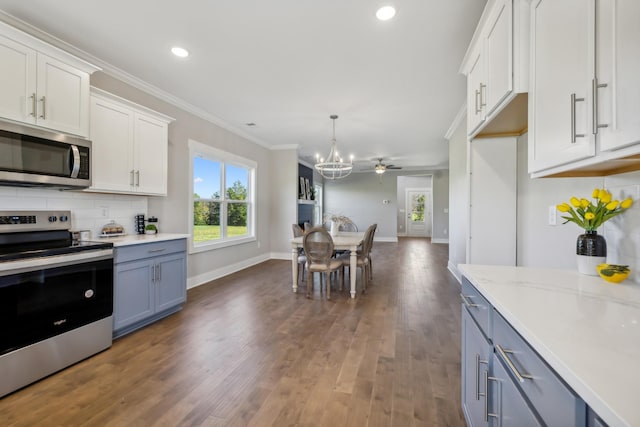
(32, 157)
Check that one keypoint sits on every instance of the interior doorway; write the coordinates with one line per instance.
(419, 212)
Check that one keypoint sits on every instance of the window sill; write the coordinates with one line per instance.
(210, 246)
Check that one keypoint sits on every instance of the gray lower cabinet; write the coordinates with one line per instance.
(150, 282)
(504, 380)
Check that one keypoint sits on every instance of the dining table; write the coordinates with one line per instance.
(344, 240)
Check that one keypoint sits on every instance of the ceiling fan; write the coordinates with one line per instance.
(380, 167)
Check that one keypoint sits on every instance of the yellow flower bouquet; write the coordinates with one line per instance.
(591, 215)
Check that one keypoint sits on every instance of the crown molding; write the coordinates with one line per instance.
(456, 122)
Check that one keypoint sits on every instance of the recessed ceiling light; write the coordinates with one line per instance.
(385, 13)
(181, 52)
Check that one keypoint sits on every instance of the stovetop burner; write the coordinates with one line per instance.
(34, 234)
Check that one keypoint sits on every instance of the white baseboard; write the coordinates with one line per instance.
(402, 234)
(454, 270)
(201, 279)
(280, 255)
(439, 240)
(386, 239)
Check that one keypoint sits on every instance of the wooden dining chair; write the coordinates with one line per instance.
(363, 261)
(318, 248)
(302, 259)
(348, 226)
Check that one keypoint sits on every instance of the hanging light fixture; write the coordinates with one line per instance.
(333, 167)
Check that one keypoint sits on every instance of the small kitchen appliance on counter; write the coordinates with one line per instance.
(56, 296)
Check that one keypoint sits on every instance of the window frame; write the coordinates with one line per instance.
(198, 149)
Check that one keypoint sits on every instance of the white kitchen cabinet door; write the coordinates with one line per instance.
(476, 85)
(112, 142)
(560, 93)
(151, 145)
(499, 55)
(63, 96)
(17, 81)
(617, 67)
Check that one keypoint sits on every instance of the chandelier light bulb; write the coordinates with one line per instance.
(385, 13)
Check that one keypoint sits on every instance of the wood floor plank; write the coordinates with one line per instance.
(246, 351)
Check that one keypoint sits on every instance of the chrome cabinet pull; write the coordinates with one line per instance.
(519, 376)
(478, 362)
(467, 302)
(574, 135)
(159, 269)
(157, 250)
(477, 95)
(137, 178)
(594, 96)
(488, 414)
(44, 108)
(483, 103)
(34, 104)
(131, 178)
(153, 273)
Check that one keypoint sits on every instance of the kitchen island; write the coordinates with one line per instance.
(585, 329)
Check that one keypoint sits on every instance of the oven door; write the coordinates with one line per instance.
(44, 297)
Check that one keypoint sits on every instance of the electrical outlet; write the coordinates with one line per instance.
(552, 215)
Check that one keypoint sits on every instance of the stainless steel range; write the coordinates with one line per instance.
(56, 296)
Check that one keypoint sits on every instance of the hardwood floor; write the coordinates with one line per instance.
(246, 351)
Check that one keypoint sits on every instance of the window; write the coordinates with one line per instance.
(222, 198)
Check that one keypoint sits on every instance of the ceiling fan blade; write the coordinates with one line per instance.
(393, 167)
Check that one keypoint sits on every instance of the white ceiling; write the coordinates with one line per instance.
(286, 65)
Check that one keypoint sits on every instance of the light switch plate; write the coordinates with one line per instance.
(552, 215)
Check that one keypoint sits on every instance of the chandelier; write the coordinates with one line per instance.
(333, 167)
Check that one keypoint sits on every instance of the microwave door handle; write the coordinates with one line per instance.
(75, 161)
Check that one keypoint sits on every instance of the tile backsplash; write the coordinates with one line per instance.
(623, 231)
(89, 211)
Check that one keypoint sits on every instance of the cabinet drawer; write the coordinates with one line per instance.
(554, 401)
(147, 250)
(478, 307)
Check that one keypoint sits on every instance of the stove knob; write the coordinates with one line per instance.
(64, 218)
(53, 218)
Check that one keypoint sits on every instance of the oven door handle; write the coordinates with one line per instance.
(34, 264)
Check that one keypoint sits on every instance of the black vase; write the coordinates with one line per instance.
(591, 249)
(591, 244)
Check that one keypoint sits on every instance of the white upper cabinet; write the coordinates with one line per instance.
(560, 84)
(130, 146)
(496, 66)
(616, 86)
(42, 85)
(584, 103)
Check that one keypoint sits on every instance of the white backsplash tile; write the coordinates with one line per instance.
(623, 232)
(89, 211)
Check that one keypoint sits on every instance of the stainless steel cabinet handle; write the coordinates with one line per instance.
(488, 414)
(44, 108)
(137, 178)
(478, 362)
(594, 96)
(131, 178)
(467, 302)
(153, 273)
(159, 269)
(157, 250)
(574, 135)
(477, 95)
(34, 104)
(519, 376)
(483, 103)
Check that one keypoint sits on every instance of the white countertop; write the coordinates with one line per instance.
(586, 329)
(136, 239)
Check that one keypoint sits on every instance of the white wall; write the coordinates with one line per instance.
(458, 197)
(283, 187)
(360, 197)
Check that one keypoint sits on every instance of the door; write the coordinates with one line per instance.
(63, 97)
(419, 215)
(17, 81)
(170, 273)
(133, 293)
(150, 138)
(560, 95)
(617, 88)
(475, 91)
(112, 137)
(476, 353)
(498, 53)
